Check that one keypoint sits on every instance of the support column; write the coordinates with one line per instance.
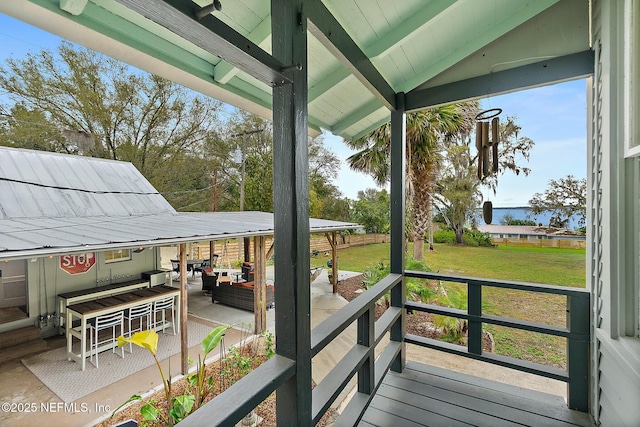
(291, 210)
(184, 347)
(334, 260)
(398, 172)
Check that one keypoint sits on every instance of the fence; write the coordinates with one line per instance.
(541, 243)
(230, 251)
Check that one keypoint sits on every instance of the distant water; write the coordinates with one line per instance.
(521, 213)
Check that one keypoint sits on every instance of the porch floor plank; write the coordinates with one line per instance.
(424, 395)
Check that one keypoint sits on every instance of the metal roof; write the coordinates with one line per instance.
(55, 203)
(361, 52)
(37, 184)
(23, 238)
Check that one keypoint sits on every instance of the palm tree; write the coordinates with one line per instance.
(425, 131)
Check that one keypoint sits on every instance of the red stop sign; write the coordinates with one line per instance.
(78, 263)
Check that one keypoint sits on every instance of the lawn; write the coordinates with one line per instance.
(561, 267)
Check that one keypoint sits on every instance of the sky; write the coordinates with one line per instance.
(554, 117)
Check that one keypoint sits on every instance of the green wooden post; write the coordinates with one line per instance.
(398, 172)
(578, 322)
(366, 329)
(474, 308)
(291, 211)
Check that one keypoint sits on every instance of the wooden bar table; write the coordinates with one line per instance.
(69, 298)
(87, 310)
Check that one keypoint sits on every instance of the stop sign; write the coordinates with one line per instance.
(78, 263)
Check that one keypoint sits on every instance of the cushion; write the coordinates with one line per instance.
(248, 285)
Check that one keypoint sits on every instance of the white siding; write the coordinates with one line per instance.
(613, 230)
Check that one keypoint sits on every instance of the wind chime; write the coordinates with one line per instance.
(487, 122)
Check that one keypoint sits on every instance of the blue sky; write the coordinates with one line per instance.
(554, 117)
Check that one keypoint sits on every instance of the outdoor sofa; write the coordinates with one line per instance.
(238, 295)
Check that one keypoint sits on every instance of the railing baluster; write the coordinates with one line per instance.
(474, 308)
(578, 311)
(366, 330)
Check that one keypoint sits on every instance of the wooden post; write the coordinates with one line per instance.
(291, 210)
(184, 347)
(212, 250)
(259, 285)
(398, 174)
(334, 259)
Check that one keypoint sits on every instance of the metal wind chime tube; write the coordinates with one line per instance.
(487, 151)
(479, 147)
(487, 148)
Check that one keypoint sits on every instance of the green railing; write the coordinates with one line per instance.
(577, 331)
(361, 361)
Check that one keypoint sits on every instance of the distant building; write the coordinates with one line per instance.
(530, 232)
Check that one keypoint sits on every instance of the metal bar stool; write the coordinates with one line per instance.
(138, 312)
(159, 308)
(106, 321)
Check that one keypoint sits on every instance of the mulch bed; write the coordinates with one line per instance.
(266, 410)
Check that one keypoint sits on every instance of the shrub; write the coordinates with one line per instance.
(481, 239)
(444, 236)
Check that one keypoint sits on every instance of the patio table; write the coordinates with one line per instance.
(87, 310)
(192, 265)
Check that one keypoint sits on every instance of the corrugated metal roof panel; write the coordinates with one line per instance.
(35, 184)
(36, 237)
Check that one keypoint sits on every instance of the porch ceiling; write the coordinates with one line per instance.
(360, 52)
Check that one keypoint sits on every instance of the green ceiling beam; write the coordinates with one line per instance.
(359, 114)
(556, 70)
(225, 71)
(211, 35)
(329, 82)
(376, 125)
(456, 55)
(418, 19)
(324, 27)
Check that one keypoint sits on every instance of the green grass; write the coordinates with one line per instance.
(552, 266)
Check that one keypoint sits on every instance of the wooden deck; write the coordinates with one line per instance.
(424, 395)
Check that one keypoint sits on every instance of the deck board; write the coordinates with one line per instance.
(424, 395)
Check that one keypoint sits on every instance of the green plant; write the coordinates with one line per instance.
(178, 407)
(269, 345)
(477, 238)
(453, 327)
(444, 236)
(416, 289)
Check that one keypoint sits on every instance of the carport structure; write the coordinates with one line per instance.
(348, 66)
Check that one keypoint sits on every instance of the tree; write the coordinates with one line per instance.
(563, 198)
(371, 210)
(508, 219)
(124, 114)
(424, 131)
(31, 129)
(459, 189)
